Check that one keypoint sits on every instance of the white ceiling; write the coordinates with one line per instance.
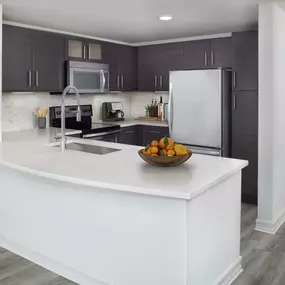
(135, 21)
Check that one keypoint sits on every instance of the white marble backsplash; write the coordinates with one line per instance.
(18, 109)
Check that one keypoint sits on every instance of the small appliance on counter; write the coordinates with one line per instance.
(112, 111)
(92, 131)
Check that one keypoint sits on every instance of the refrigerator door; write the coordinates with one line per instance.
(195, 107)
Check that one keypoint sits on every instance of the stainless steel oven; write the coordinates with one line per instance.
(88, 77)
(109, 136)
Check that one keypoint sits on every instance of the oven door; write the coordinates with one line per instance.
(89, 78)
(112, 136)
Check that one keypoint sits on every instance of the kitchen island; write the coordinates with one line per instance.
(113, 219)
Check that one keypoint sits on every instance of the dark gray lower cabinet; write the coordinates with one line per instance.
(151, 133)
(130, 135)
(245, 140)
(142, 135)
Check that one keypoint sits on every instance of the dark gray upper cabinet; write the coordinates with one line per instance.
(32, 60)
(17, 66)
(221, 52)
(245, 60)
(196, 54)
(48, 61)
(122, 62)
(154, 64)
(245, 139)
(83, 49)
(127, 68)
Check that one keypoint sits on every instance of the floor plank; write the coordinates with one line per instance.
(263, 259)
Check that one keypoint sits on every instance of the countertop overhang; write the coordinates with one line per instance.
(32, 152)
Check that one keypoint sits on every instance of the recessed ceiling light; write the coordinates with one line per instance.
(165, 18)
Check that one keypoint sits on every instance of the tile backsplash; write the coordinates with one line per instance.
(18, 109)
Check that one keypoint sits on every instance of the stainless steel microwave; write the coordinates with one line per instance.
(88, 77)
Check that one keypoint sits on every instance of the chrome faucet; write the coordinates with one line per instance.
(78, 114)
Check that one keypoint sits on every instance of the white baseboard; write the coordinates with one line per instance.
(231, 274)
(54, 266)
(270, 227)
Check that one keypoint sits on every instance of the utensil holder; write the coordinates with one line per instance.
(42, 122)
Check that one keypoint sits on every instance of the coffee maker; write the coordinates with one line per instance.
(112, 111)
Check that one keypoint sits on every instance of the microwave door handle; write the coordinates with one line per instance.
(103, 81)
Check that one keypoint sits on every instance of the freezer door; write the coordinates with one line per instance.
(195, 107)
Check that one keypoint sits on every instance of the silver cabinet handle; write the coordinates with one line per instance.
(128, 133)
(30, 78)
(37, 78)
(155, 81)
(234, 102)
(122, 81)
(206, 58)
(118, 81)
(88, 51)
(84, 51)
(234, 79)
(170, 121)
(154, 132)
(212, 58)
(161, 82)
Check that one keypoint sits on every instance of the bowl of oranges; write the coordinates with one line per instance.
(165, 153)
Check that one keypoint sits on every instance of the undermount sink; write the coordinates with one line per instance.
(89, 148)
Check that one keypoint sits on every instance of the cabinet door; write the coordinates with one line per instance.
(221, 52)
(151, 133)
(128, 68)
(75, 49)
(17, 59)
(245, 60)
(48, 61)
(245, 139)
(196, 54)
(110, 55)
(245, 77)
(245, 48)
(93, 51)
(148, 68)
(169, 57)
(128, 136)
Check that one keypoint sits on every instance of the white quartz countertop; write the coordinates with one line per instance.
(132, 122)
(31, 152)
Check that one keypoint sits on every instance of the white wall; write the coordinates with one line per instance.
(271, 113)
(18, 109)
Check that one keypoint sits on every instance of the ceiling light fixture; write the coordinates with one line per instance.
(165, 18)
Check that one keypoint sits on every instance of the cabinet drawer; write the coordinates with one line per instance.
(130, 135)
(153, 133)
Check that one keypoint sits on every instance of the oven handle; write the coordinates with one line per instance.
(100, 134)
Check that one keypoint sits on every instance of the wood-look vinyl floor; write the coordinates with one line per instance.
(263, 260)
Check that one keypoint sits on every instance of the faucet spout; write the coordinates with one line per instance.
(78, 114)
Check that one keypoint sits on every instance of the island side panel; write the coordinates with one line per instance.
(93, 236)
(213, 234)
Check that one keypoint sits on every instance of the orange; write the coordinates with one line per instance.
(154, 150)
(147, 150)
(154, 143)
(170, 147)
(171, 153)
(154, 154)
(164, 142)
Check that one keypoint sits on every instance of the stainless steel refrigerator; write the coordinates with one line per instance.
(199, 110)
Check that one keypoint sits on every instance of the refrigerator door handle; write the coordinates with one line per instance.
(170, 112)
